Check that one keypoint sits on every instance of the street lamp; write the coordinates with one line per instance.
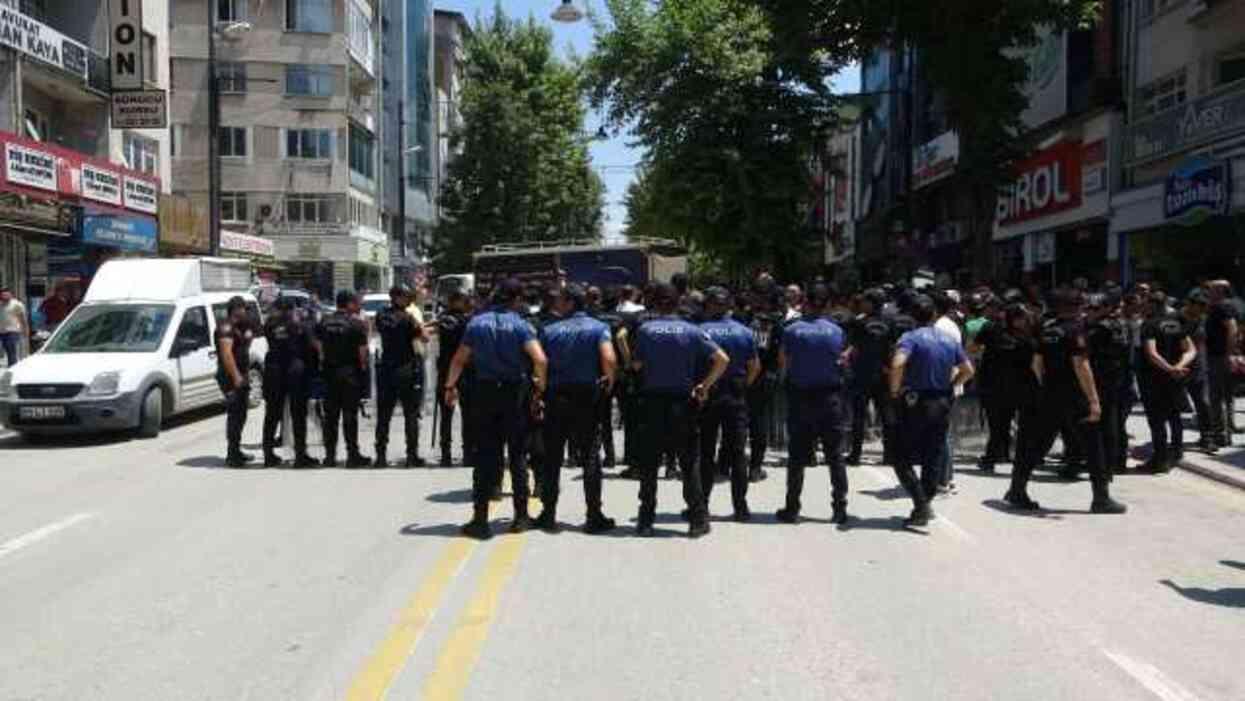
(567, 12)
(231, 30)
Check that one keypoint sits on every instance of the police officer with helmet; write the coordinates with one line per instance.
(399, 376)
(582, 364)
(292, 351)
(1168, 356)
(726, 410)
(668, 351)
(343, 340)
(233, 354)
(927, 367)
(813, 353)
(501, 346)
(450, 328)
(871, 341)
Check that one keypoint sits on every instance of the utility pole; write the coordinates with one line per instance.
(213, 137)
(402, 179)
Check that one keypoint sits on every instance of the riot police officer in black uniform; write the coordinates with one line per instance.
(292, 351)
(901, 321)
(1167, 358)
(399, 376)
(766, 322)
(344, 342)
(450, 327)
(1007, 381)
(1109, 351)
(871, 341)
(233, 353)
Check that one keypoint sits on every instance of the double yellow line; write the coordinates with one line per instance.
(453, 669)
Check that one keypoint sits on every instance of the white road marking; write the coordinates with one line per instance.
(12, 546)
(1151, 678)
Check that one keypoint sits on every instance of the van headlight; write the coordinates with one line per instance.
(105, 384)
(6, 384)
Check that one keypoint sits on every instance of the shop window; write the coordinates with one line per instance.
(230, 10)
(1232, 67)
(233, 141)
(309, 80)
(233, 206)
(36, 125)
(309, 143)
(309, 16)
(1163, 94)
(231, 77)
(141, 153)
(307, 209)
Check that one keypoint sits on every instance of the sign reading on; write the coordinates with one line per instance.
(139, 109)
(127, 44)
(1198, 189)
(1049, 182)
(37, 40)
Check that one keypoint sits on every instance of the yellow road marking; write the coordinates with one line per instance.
(390, 657)
(449, 678)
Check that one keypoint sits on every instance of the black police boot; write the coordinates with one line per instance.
(853, 459)
(1021, 501)
(330, 455)
(608, 463)
(840, 517)
(598, 523)
(235, 460)
(742, 513)
(1103, 503)
(699, 528)
(1207, 446)
(757, 474)
(415, 461)
(788, 514)
(644, 525)
(304, 460)
(986, 464)
(358, 460)
(547, 521)
(447, 460)
(246, 456)
(631, 473)
(382, 460)
(920, 516)
(522, 522)
(271, 459)
(478, 527)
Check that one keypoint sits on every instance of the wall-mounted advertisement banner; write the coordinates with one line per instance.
(126, 232)
(30, 167)
(140, 109)
(935, 160)
(34, 168)
(100, 185)
(39, 41)
(1047, 183)
(141, 195)
(1047, 84)
(1203, 120)
(247, 244)
(126, 63)
(1197, 190)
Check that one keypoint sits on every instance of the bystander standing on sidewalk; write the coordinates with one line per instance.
(14, 326)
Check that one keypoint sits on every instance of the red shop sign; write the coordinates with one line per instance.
(39, 169)
(1047, 183)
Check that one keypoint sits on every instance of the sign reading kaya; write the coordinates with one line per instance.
(1047, 183)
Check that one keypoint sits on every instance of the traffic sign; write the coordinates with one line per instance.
(126, 63)
(140, 109)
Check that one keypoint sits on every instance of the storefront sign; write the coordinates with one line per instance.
(1094, 180)
(1047, 85)
(1049, 182)
(31, 167)
(141, 195)
(126, 23)
(183, 223)
(1197, 190)
(49, 216)
(1205, 119)
(935, 160)
(128, 233)
(101, 185)
(247, 244)
(140, 109)
(40, 41)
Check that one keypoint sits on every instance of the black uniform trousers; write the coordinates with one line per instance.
(1112, 396)
(1006, 402)
(760, 413)
(446, 411)
(1163, 398)
(499, 416)
(726, 413)
(861, 397)
(667, 424)
(1060, 410)
(343, 393)
(1198, 387)
(283, 384)
(237, 403)
(816, 416)
(571, 418)
(394, 384)
(1221, 388)
(605, 424)
(924, 418)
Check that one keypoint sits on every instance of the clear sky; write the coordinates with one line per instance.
(614, 158)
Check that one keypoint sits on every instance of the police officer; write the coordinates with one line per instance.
(813, 353)
(291, 351)
(1193, 314)
(1006, 380)
(233, 353)
(1068, 395)
(901, 321)
(399, 377)
(927, 367)
(871, 341)
(1109, 352)
(500, 345)
(766, 322)
(1222, 343)
(668, 352)
(1168, 357)
(726, 411)
(343, 340)
(450, 327)
(581, 374)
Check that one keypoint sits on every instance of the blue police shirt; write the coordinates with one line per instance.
(573, 347)
(670, 349)
(813, 347)
(932, 355)
(496, 339)
(738, 342)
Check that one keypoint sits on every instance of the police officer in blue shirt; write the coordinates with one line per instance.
(927, 366)
(501, 346)
(727, 409)
(813, 352)
(581, 376)
(667, 352)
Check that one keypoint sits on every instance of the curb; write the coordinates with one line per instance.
(1213, 475)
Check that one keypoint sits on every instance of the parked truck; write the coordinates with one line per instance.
(586, 262)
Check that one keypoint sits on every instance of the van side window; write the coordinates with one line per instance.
(194, 327)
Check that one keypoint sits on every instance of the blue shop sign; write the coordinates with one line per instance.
(1199, 189)
(126, 232)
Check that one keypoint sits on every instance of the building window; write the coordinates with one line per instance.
(233, 206)
(309, 143)
(230, 10)
(310, 80)
(307, 209)
(359, 32)
(233, 141)
(309, 16)
(1164, 93)
(362, 152)
(150, 74)
(36, 125)
(231, 77)
(1232, 67)
(141, 153)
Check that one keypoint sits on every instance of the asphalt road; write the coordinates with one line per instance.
(137, 569)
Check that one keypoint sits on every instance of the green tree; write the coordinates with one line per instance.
(524, 173)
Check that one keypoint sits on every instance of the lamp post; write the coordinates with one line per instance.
(232, 29)
(567, 13)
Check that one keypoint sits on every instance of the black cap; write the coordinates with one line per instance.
(576, 294)
(818, 295)
(235, 302)
(508, 291)
(665, 293)
(345, 297)
(399, 291)
(718, 296)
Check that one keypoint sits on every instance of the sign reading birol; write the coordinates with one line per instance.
(1047, 183)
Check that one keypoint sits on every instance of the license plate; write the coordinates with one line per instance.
(41, 413)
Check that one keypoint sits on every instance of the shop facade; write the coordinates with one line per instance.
(324, 264)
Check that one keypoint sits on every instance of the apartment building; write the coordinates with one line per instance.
(73, 192)
(452, 30)
(300, 131)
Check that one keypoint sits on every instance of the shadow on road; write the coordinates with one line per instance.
(1045, 514)
(456, 496)
(1231, 597)
(888, 494)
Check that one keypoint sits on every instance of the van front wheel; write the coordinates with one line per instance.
(153, 414)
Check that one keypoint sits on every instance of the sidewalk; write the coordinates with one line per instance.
(1226, 467)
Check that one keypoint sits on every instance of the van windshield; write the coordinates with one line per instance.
(112, 328)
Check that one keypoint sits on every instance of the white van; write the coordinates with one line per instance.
(136, 351)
